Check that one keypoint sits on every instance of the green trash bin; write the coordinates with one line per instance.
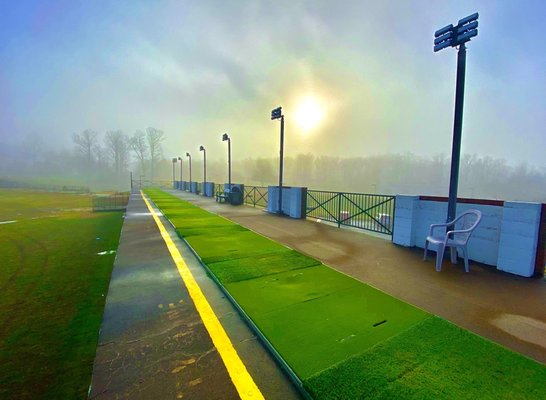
(235, 196)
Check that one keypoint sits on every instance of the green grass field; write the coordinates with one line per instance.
(345, 339)
(53, 287)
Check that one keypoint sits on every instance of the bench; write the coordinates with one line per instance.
(222, 197)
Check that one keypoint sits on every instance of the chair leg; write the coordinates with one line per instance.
(466, 268)
(453, 254)
(426, 250)
(439, 257)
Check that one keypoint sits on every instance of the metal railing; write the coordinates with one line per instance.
(256, 196)
(372, 212)
(218, 188)
(110, 202)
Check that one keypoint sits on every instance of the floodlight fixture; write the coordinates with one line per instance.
(276, 113)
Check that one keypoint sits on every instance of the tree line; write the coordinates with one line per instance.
(113, 154)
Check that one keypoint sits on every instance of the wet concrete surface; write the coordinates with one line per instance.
(153, 344)
(505, 308)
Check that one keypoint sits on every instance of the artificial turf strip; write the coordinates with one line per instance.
(433, 360)
(241, 269)
(235, 245)
(316, 334)
(275, 292)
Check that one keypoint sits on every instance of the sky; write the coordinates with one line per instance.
(354, 78)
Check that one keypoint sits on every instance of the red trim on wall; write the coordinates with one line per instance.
(484, 202)
(540, 263)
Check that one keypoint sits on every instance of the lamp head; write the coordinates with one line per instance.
(180, 158)
(174, 159)
(225, 137)
(188, 154)
(276, 113)
(201, 148)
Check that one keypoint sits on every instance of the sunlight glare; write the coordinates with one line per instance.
(309, 113)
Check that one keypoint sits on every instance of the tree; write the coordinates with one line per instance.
(154, 137)
(85, 143)
(138, 145)
(117, 146)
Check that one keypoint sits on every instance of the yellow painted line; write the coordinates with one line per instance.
(243, 382)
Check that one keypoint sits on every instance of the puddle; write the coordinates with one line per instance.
(102, 253)
(143, 214)
(7, 222)
(524, 328)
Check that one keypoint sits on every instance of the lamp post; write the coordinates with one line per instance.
(277, 114)
(189, 156)
(453, 36)
(202, 148)
(181, 163)
(225, 137)
(174, 162)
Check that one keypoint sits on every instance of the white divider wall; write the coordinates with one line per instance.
(506, 237)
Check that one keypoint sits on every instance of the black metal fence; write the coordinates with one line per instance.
(256, 196)
(372, 212)
(110, 202)
(218, 189)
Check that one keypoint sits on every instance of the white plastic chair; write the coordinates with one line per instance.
(464, 225)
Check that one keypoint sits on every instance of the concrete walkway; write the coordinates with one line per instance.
(153, 344)
(505, 308)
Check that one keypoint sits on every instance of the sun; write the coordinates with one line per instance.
(309, 113)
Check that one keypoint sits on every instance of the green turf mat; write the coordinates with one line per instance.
(263, 295)
(210, 230)
(313, 335)
(433, 360)
(236, 245)
(244, 268)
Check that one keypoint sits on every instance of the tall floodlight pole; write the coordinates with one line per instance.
(174, 178)
(181, 163)
(189, 156)
(277, 114)
(453, 36)
(225, 137)
(202, 148)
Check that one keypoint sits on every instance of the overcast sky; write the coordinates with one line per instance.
(197, 69)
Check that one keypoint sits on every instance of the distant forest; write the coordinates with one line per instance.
(104, 162)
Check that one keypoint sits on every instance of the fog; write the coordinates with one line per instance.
(83, 85)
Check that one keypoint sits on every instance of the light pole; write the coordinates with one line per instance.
(224, 138)
(277, 114)
(181, 163)
(202, 148)
(453, 36)
(174, 162)
(189, 156)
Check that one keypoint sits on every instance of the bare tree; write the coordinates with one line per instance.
(117, 145)
(138, 145)
(154, 138)
(85, 143)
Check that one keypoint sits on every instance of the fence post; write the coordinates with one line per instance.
(338, 214)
